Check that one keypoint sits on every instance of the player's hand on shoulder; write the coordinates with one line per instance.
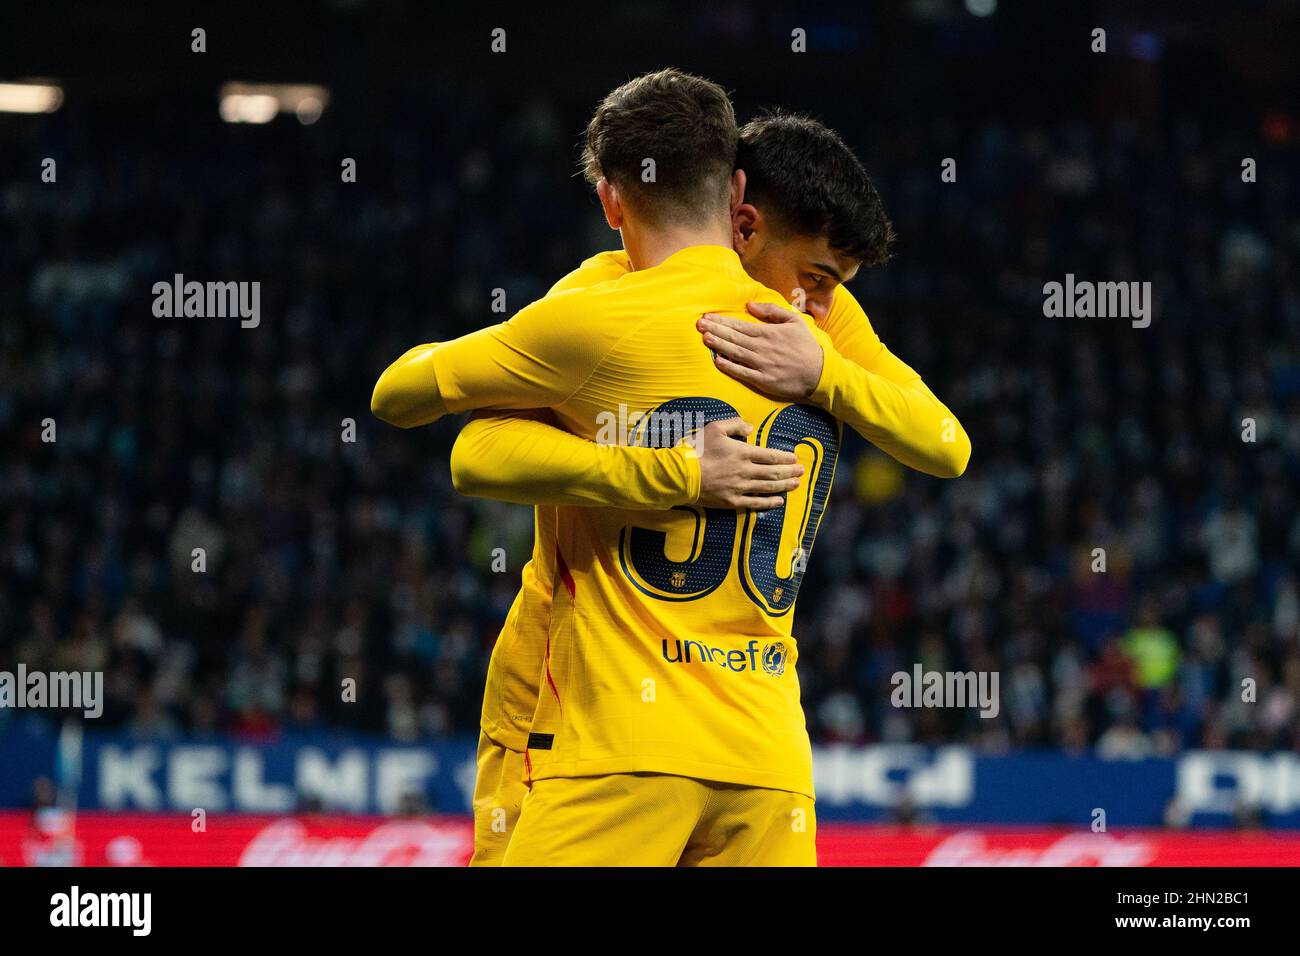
(736, 474)
(778, 356)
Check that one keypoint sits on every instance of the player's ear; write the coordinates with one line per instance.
(744, 224)
(610, 202)
(738, 181)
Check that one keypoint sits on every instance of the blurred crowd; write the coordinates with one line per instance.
(1124, 549)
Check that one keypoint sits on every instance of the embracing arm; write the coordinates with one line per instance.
(851, 374)
(526, 458)
(528, 362)
(888, 404)
(407, 395)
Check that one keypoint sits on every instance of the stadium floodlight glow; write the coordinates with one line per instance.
(262, 102)
(248, 108)
(30, 97)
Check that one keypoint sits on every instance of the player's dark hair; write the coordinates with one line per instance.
(802, 175)
(686, 125)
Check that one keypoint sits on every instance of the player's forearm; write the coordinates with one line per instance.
(904, 420)
(406, 395)
(513, 457)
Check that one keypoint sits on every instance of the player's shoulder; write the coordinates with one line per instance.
(757, 292)
(606, 266)
(845, 308)
(615, 261)
(587, 319)
(594, 270)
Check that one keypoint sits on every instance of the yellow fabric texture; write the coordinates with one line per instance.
(661, 820)
(499, 790)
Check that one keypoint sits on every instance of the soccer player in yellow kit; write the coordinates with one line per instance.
(606, 729)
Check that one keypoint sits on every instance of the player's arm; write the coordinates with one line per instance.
(404, 395)
(524, 457)
(857, 379)
(532, 361)
(884, 399)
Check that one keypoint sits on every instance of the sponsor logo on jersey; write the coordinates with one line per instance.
(771, 660)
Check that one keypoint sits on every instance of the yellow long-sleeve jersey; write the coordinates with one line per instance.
(670, 643)
(862, 383)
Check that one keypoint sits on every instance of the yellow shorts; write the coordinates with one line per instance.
(651, 819)
(499, 790)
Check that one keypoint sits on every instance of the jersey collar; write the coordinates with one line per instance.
(716, 258)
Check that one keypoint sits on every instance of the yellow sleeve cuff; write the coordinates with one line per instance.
(689, 474)
(823, 396)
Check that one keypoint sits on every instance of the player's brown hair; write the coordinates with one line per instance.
(686, 125)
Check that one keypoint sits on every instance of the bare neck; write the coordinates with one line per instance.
(647, 247)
